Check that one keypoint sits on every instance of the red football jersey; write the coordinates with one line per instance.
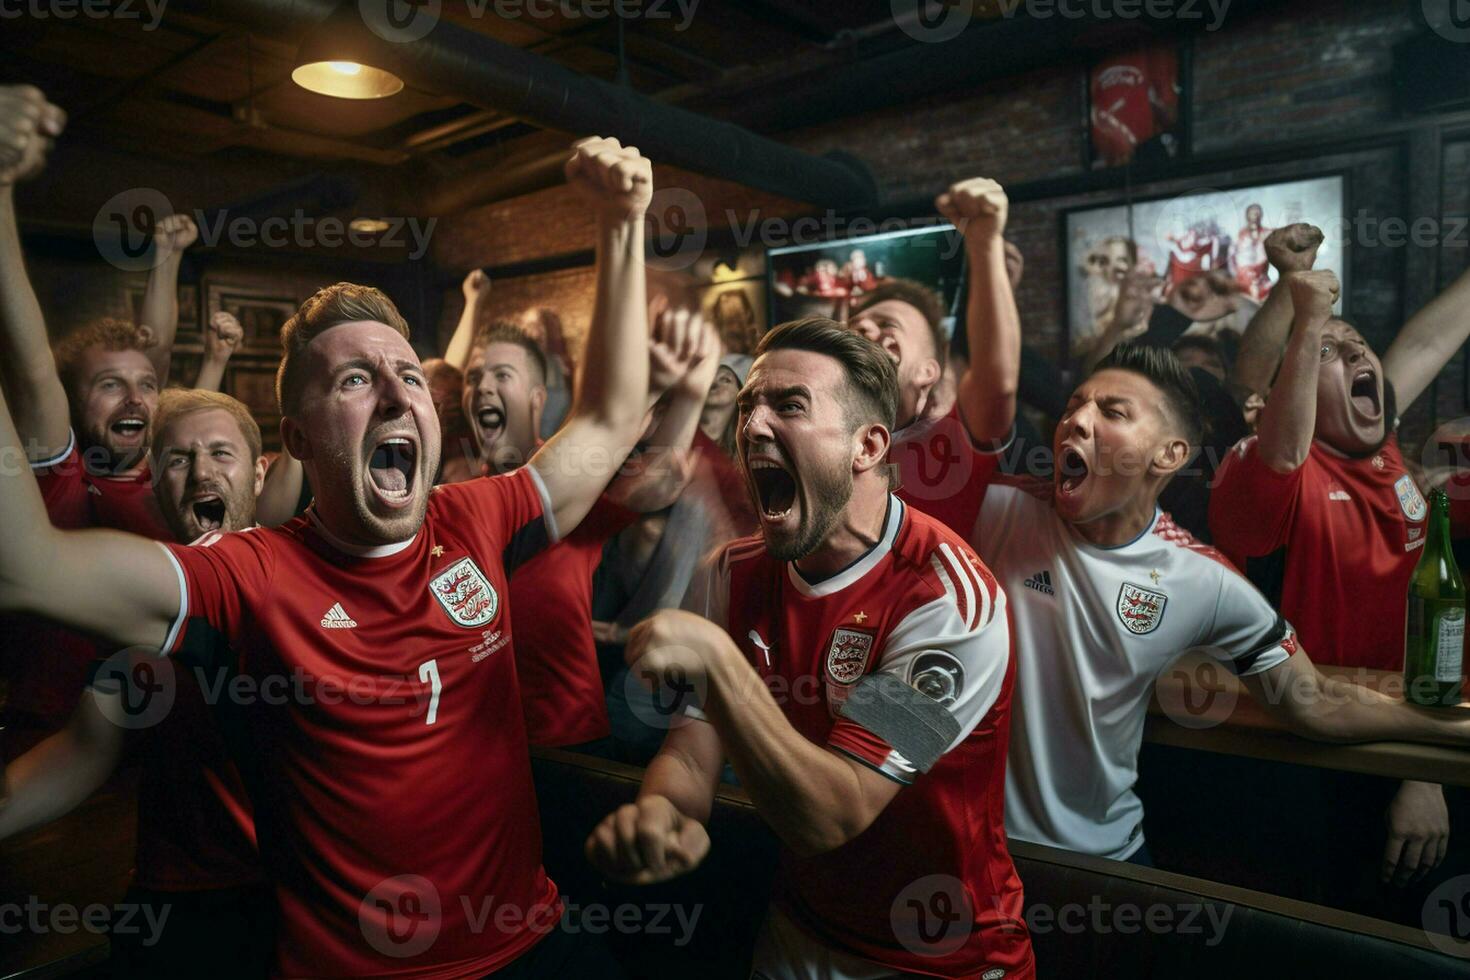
(1351, 530)
(922, 608)
(937, 464)
(380, 731)
(556, 657)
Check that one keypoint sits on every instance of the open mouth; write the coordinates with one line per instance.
(209, 512)
(392, 468)
(131, 427)
(491, 420)
(775, 487)
(1364, 393)
(1072, 471)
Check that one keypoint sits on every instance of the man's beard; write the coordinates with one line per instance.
(820, 512)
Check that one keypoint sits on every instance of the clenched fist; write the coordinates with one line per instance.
(173, 234)
(1293, 248)
(476, 286)
(222, 335)
(616, 180)
(28, 126)
(978, 207)
(646, 842)
(1313, 294)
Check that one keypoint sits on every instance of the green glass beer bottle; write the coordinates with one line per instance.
(1434, 635)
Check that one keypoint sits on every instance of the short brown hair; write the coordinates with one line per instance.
(344, 302)
(109, 333)
(175, 403)
(872, 381)
(505, 332)
(921, 298)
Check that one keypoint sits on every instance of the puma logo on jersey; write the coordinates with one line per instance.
(337, 619)
(1040, 582)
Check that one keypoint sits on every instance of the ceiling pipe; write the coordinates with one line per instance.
(453, 60)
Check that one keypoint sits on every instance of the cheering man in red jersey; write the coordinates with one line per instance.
(856, 669)
(390, 772)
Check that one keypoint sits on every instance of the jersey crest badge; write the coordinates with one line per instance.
(1411, 501)
(847, 657)
(466, 594)
(1140, 609)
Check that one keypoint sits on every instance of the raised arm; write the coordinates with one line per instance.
(53, 778)
(281, 494)
(118, 586)
(607, 414)
(1289, 249)
(1289, 420)
(173, 234)
(987, 392)
(476, 289)
(222, 335)
(1428, 341)
(28, 125)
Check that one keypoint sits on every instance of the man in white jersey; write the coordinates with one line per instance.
(1106, 591)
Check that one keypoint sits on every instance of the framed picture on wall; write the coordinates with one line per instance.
(1201, 240)
(261, 313)
(737, 308)
(188, 333)
(1138, 106)
(253, 382)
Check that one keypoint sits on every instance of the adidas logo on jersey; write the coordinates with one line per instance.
(1041, 582)
(337, 619)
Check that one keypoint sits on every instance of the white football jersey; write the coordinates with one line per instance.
(1094, 628)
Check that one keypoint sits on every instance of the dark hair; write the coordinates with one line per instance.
(505, 332)
(1162, 367)
(921, 298)
(872, 381)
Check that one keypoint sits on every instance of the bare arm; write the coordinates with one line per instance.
(1329, 710)
(160, 312)
(987, 392)
(1428, 341)
(281, 493)
(53, 778)
(576, 464)
(28, 124)
(118, 586)
(476, 289)
(1289, 420)
(222, 335)
(1290, 249)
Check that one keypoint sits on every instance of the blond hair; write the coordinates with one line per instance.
(344, 302)
(175, 403)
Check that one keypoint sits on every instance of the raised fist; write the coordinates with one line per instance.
(978, 207)
(28, 126)
(222, 335)
(174, 233)
(616, 180)
(1313, 294)
(1293, 248)
(677, 345)
(1137, 296)
(647, 841)
(476, 286)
